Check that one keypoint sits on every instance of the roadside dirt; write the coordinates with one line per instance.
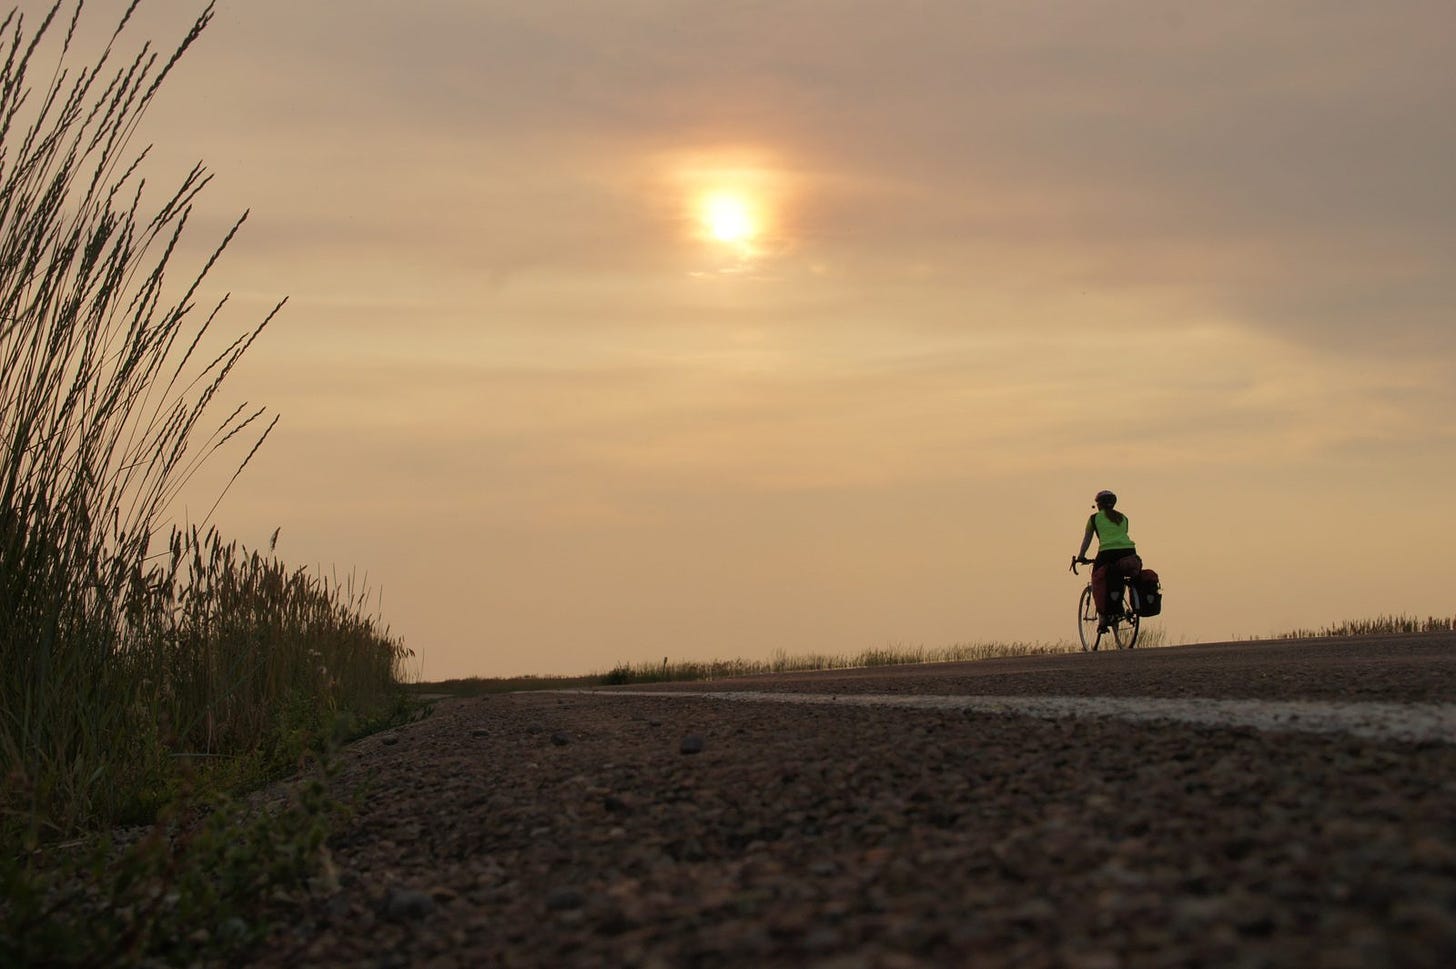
(567, 830)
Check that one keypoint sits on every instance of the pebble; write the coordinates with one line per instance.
(560, 739)
(692, 744)
(406, 904)
(564, 899)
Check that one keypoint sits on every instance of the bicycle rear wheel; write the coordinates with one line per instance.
(1087, 621)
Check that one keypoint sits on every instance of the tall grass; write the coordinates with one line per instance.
(127, 645)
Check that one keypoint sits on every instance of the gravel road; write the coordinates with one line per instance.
(660, 831)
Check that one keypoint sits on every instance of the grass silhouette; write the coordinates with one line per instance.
(151, 671)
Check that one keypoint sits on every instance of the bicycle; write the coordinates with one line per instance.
(1125, 621)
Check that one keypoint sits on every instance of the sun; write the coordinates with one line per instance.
(729, 217)
(735, 206)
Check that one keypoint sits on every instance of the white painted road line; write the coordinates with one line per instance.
(1378, 721)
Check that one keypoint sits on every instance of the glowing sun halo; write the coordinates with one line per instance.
(729, 218)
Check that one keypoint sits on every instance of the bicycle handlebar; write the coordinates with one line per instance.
(1079, 561)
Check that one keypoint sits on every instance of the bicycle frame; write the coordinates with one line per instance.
(1124, 625)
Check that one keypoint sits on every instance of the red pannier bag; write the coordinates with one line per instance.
(1149, 593)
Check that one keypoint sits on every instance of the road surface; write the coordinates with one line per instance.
(1049, 811)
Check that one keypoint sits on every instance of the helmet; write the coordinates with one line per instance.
(1106, 496)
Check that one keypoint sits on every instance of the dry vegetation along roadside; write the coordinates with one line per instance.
(152, 674)
(780, 662)
(1154, 635)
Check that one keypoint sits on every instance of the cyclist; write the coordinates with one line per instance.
(1116, 556)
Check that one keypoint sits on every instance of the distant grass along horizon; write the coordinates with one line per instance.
(781, 661)
(1393, 624)
(1154, 635)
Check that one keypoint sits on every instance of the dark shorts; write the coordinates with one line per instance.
(1112, 555)
(1107, 577)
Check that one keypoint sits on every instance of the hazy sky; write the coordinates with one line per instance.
(1006, 254)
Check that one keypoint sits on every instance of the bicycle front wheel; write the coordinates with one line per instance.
(1087, 620)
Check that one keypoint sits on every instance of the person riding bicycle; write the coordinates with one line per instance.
(1116, 560)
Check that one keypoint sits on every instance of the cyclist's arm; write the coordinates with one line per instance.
(1087, 538)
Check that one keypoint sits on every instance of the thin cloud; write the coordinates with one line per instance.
(1021, 247)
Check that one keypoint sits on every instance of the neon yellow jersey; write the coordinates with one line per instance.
(1111, 535)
